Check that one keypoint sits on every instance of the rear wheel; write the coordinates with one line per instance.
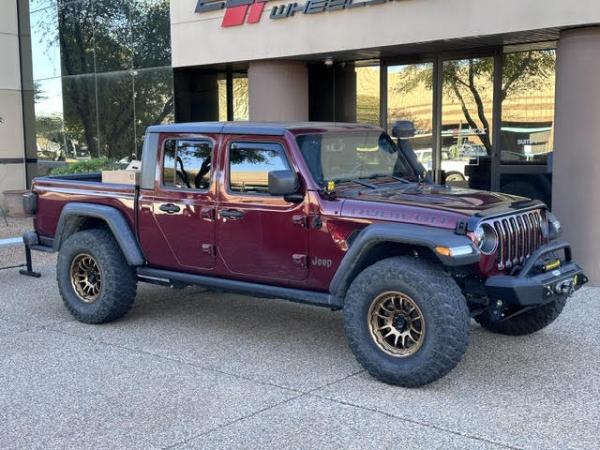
(406, 321)
(528, 322)
(95, 281)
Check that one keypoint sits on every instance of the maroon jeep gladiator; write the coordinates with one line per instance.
(335, 215)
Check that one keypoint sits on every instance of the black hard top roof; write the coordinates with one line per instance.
(260, 128)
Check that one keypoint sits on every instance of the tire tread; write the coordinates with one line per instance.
(119, 284)
(451, 319)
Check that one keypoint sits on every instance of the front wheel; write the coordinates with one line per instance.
(406, 321)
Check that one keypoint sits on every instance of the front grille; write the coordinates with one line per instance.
(519, 236)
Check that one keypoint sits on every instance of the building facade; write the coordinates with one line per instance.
(501, 95)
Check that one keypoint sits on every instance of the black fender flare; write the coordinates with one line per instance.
(73, 212)
(400, 233)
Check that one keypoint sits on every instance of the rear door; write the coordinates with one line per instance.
(259, 237)
(177, 220)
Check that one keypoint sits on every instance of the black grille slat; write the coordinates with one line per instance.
(515, 239)
(527, 224)
(520, 235)
(508, 260)
(501, 244)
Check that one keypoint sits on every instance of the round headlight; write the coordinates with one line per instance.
(486, 239)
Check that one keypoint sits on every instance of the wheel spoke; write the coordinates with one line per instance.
(383, 306)
(392, 331)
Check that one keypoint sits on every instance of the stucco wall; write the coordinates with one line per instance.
(278, 91)
(198, 39)
(577, 155)
(12, 173)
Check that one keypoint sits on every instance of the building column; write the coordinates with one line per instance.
(576, 169)
(12, 145)
(278, 91)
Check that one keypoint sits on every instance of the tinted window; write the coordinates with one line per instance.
(187, 164)
(250, 164)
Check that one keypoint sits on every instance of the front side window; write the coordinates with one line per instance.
(352, 155)
(250, 164)
(186, 164)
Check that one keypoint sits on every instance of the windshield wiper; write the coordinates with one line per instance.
(379, 175)
(357, 181)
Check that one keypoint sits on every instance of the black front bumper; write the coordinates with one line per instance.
(533, 284)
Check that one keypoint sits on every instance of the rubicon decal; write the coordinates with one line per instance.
(239, 12)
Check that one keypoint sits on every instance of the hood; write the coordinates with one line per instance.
(447, 198)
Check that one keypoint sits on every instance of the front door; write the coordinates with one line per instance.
(259, 237)
(177, 221)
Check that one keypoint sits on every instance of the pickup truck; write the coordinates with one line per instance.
(329, 214)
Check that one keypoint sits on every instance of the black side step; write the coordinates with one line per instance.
(168, 278)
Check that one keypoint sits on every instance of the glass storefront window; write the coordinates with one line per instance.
(410, 101)
(50, 138)
(76, 34)
(35, 5)
(151, 33)
(112, 35)
(467, 99)
(528, 107)
(154, 100)
(90, 100)
(80, 117)
(45, 49)
(368, 98)
(115, 114)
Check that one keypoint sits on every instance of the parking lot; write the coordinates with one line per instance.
(196, 369)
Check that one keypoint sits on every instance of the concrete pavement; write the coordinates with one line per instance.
(193, 369)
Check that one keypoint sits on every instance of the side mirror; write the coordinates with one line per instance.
(283, 183)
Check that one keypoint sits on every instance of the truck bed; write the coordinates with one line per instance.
(54, 192)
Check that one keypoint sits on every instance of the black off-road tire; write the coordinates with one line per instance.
(529, 322)
(119, 280)
(442, 304)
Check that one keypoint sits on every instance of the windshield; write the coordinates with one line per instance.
(352, 155)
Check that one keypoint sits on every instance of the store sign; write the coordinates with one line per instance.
(239, 12)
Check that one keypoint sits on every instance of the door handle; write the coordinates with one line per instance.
(170, 208)
(234, 214)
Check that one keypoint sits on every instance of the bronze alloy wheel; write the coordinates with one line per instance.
(86, 278)
(396, 324)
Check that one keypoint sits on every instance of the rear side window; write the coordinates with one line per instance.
(187, 164)
(250, 164)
